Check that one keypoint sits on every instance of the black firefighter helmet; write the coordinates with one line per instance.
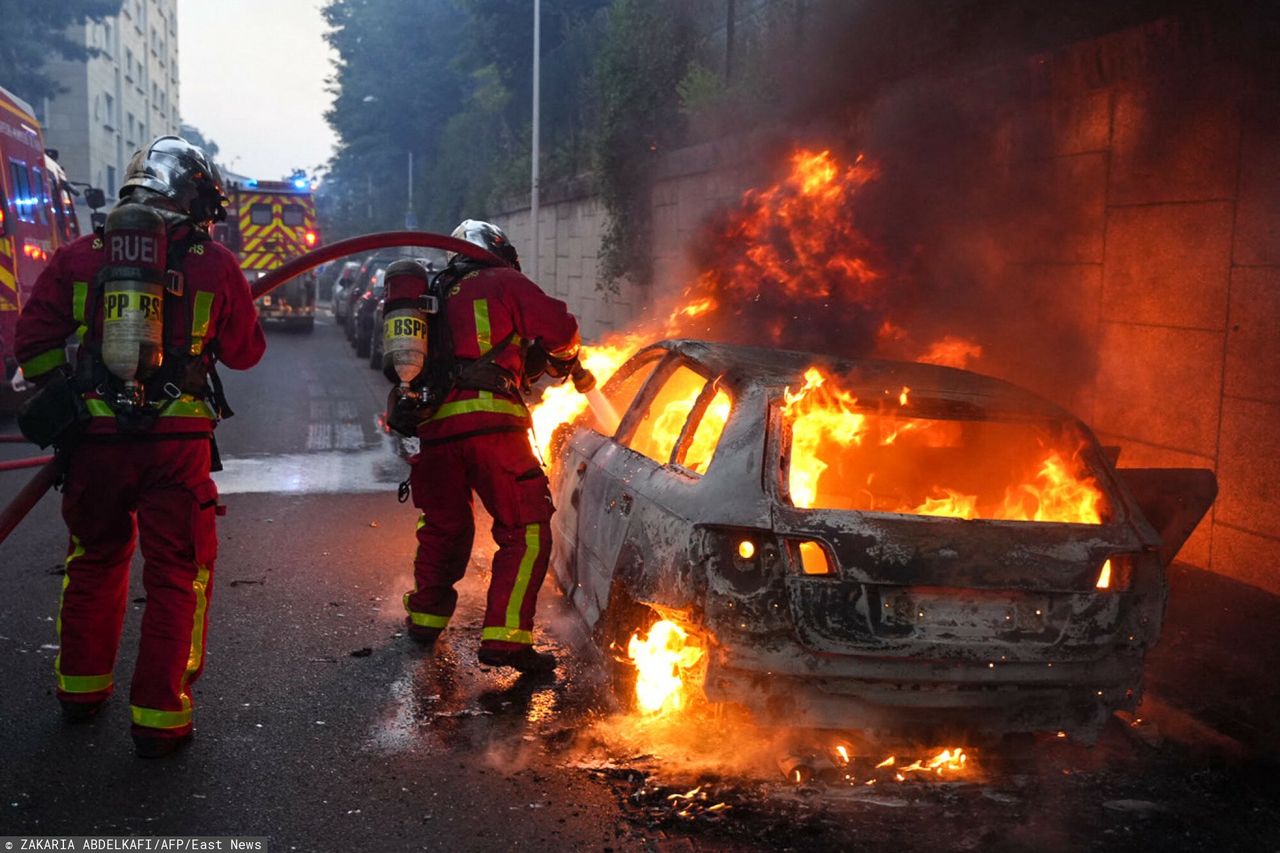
(182, 173)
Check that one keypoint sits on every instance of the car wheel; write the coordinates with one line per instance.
(375, 357)
(364, 343)
(622, 618)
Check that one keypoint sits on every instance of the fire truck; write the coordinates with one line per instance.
(37, 215)
(270, 223)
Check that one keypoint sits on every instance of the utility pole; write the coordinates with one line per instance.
(410, 218)
(533, 182)
(729, 21)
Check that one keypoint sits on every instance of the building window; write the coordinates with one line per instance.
(110, 103)
(111, 182)
(128, 64)
(108, 34)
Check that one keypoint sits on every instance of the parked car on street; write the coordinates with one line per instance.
(870, 545)
(363, 312)
(344, 281)
(364, 280)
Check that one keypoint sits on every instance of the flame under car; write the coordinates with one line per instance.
(886, 546)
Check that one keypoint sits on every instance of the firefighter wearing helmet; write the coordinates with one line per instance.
(154, 304)
(459, 384)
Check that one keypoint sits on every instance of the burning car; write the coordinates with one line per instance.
(885, 546)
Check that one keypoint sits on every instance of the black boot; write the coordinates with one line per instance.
(76, 713)
(158, 746)
(526, 659)
(423, 635)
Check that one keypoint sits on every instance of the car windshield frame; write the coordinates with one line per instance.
(653, 386)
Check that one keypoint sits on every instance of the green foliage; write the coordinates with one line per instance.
(645, 55)
(32, 31)
(700, 88)
(450, 81)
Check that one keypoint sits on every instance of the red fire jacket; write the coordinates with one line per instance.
(219, 308)
(485, 307)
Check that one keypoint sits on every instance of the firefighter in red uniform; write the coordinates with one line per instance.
(474, 437)
(139, 450)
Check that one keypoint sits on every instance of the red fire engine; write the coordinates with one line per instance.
(270, 223)
(37, 215)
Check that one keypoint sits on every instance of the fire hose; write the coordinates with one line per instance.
(44, 479)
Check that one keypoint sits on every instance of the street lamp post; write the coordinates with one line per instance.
(533, 182)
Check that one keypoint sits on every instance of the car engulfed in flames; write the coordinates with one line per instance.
(886, 546)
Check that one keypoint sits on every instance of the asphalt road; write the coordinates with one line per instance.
(318, 724)
(323, 728)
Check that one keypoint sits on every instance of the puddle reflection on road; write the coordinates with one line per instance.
(370, 470)
(446, 701)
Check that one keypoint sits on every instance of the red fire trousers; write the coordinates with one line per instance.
(501, 469)
(159, 492)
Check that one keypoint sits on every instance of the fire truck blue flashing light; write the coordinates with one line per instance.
(301, 183)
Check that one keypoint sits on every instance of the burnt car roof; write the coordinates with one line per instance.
(778, 369)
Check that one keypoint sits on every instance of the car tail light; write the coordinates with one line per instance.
(1115, 574)
(745, 552)
(811, 557)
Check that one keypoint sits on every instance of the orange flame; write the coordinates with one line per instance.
(662, 660)
(830, 433)
(951, 352)
(560, 404)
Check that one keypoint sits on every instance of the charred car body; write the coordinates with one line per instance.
(841, 594)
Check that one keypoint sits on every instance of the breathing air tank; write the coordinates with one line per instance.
(404, 323)
(135, 243)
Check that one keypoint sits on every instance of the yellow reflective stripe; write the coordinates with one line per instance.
(84, 683)
(507, 635)
(566, 353)
(99, 408)
(532, 544)
(428, 620)
(463, 407)
(154, 718)
(422, 521)
(77, 551)
(44, 362)
(195, 657)
(200, 320)
(184, 407)
(482, 325)
(79, 295)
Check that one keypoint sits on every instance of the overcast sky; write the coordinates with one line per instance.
(253, 81)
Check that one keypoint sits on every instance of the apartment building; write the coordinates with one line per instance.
(118, 100)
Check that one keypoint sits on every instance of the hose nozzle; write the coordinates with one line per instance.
(583, 380)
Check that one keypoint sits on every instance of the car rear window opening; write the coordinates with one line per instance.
(883, 457)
